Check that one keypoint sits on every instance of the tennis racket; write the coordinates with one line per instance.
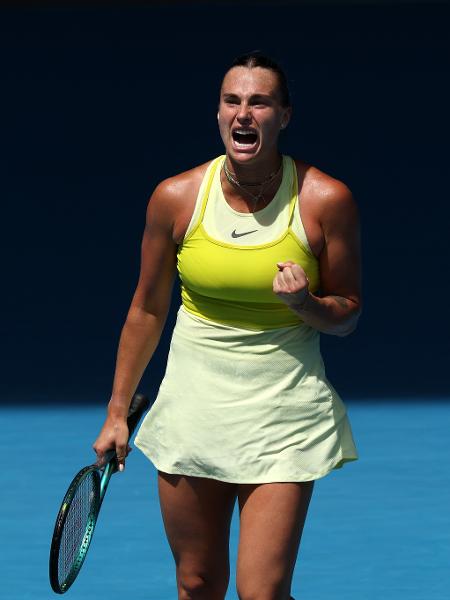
(79, 510)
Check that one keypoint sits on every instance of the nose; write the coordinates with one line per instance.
(244, 115)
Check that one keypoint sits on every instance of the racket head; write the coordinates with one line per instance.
(74, 527)
(77, 516)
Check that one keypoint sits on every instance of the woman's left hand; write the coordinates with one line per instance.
(291, 284)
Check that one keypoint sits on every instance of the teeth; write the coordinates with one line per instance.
(244, 144)
(242, 134)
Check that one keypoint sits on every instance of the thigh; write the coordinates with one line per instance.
(272, 517)
(197, 515)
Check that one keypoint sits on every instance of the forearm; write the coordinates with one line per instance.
(138, 341)
(334, 315)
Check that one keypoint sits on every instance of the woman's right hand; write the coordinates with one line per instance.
(113, 436)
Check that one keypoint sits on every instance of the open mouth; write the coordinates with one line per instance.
(244, 137)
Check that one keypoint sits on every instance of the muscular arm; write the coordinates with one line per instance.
(168, 214)
(149, 307)
(144, 322)
(337, 309)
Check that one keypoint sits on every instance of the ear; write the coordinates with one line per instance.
(286, 118)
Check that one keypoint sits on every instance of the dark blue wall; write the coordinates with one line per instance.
(99, 104)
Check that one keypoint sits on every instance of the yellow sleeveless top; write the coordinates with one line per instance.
(231, 283)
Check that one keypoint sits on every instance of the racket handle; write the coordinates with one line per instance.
(139, 404)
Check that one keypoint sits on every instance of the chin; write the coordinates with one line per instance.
(243, 156)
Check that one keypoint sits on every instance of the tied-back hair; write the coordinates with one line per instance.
(258, 59)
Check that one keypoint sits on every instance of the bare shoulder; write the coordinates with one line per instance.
(180, 187)
(173, 200)
(321, 188)
(324, 197)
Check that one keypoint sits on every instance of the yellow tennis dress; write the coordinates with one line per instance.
(245, 398)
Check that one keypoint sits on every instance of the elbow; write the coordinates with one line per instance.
(349, 326)
(139, 317)
(344, 332)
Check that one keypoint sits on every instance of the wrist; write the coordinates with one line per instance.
(303, 305)
(118, 408)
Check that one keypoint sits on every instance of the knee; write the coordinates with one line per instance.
(192, 586)
(198, 586)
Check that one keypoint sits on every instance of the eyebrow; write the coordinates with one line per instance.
(228, 95)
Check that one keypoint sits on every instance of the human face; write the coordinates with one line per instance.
(250, 113)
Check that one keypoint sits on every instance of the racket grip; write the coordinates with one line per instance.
(139, 404)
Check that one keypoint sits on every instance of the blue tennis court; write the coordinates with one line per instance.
(379, 528)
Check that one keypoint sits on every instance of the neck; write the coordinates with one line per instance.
(254, 174)
(258, 191)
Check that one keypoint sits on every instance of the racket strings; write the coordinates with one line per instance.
(78, 527)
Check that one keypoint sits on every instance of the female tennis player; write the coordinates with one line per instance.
(267, 252)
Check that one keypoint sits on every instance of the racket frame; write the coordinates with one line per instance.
(103, 473)
(101, 479)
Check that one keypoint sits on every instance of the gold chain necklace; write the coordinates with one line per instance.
(264, 184)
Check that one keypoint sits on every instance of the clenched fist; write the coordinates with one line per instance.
(291, 285)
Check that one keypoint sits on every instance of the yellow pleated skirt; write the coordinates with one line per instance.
(246, 406)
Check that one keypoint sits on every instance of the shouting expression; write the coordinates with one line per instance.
(250, 113)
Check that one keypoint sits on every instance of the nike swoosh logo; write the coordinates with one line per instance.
(238, 235)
